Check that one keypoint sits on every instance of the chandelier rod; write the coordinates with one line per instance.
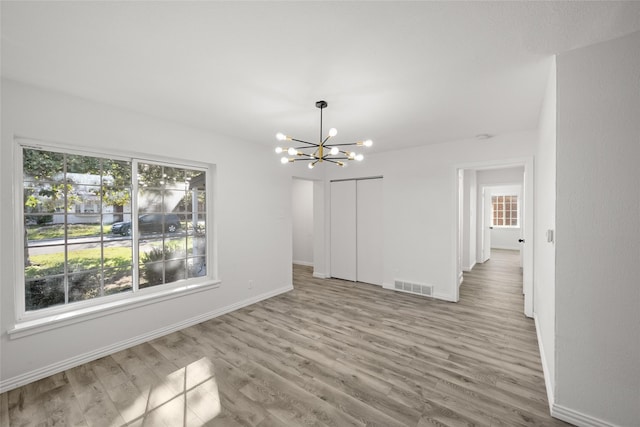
(321, 108)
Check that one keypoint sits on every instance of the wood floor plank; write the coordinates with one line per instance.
(329, 353)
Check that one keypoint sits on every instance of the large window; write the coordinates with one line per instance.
(505, 211)
(96, 226)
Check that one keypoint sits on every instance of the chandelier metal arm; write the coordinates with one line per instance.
(305, 156)
(333, 160)
(305, 142)
(341, 145)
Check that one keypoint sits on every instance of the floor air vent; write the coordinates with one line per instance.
(413, 288)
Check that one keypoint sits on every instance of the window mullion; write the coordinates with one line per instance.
(65, 194)
(134, 225)
(101, 227)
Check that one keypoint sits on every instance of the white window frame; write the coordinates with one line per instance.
(511, 194)
(30, 322)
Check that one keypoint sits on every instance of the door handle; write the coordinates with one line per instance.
(520, 240)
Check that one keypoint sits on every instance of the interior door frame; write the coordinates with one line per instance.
(527, 222)
(486, 225)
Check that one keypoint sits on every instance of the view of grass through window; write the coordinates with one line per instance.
(81, 226)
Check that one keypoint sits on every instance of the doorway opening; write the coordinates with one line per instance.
(302, 222)
(309, 239)
(482, 208)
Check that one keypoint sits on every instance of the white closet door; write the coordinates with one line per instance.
(343, 230)
(369, 231)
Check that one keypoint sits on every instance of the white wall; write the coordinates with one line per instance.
(545, 219)
(598, 232)
(252, 214)
(505, 238)
(501, 176)
(469, 220)
(302, 204)
(420, 216)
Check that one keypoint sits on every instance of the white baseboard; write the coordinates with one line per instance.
(321, 275)
(469, 268)
(305, 263)
(577, 418)
(444, 297)
(545, 368)
(40, 373)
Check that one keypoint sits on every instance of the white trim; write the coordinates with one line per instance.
(545, 368)
(69, 317)
(577, 418)
(504, 248)
(321, 275)
(20, 380)
(108, 151)
(305, 263)
(469, 268)
(456, 232)
(445, 297)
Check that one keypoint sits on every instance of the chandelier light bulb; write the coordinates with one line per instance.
(281, 136)
(292, 151)
(333, 132)
(334, 151)
(311, 165)
(278, 150)
(352, 155)
(368, 143)
(359, 157)
(284, 160)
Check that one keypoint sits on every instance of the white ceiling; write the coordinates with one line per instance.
(401, 73)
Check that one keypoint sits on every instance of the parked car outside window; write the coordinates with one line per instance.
(149, 223)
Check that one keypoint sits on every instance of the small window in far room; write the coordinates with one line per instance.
(505, 211)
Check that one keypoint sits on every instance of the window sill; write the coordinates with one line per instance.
(29, 327)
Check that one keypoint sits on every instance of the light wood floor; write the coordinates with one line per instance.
(328, 353)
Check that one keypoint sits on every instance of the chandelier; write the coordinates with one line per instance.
(321, 151)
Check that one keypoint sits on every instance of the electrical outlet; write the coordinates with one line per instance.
(250, 284)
